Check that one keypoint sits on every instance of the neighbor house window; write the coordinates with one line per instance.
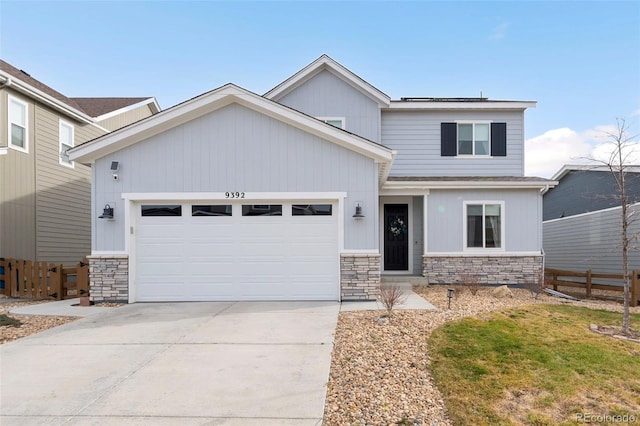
(66, 142)
(334, 121)
(484, 225)
(473, 139)
(18, 122)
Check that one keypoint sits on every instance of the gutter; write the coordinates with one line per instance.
(4, 150)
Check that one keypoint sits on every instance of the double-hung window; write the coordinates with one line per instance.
(484, 225)
(18, 124)
(66, 135)
(474, 139)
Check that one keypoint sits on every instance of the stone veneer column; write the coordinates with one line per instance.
(489, 269)
(109, 278)
(359, 276)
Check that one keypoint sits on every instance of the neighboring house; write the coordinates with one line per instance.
(582, 220)
(312, 191)
(45, 197)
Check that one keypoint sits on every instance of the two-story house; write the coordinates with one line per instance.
(45, 197)
(311, 192)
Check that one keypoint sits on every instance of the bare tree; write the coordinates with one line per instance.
(618, 163)
(391, 295)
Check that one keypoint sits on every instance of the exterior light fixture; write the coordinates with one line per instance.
(115, 166)
(449, 296)
(107, 213)
(358, 214)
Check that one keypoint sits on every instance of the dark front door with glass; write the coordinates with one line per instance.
(396, 237)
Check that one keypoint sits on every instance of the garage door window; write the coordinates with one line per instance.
(211, 210)
(161, 210)
(262, 210)
(311, 210)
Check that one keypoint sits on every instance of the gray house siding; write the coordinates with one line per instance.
(587, 191)
(326, 95)
(418, 234)
(237, 149)
(522, 215)
(415, 135)
(589, 241)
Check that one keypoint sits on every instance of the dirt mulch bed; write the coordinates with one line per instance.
(28, 324)
(379, 370)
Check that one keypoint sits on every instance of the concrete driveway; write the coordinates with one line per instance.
(250, 363)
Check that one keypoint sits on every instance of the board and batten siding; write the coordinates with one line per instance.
(522, 215)
(415, 135)
(589, 241)
(63, 194)
(126, 118)
(237, 149)
(17, 188)
(326, 95)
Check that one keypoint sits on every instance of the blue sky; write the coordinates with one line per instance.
(579, 60)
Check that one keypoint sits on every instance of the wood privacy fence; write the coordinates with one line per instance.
(553, 277)
(37, 280)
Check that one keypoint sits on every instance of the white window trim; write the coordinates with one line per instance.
(24, 149)
(502, 227)
(473, 139)
(73, 142)
(342, 119)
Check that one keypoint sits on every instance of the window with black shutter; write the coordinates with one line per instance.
(448, 139)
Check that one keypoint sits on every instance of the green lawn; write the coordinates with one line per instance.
(537, 365)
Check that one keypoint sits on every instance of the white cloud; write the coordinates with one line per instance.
(547, 153)
(499, 32)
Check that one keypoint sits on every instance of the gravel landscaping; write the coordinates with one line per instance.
(30, 324)
(379, 370)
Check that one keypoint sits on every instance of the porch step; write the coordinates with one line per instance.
(411, 279)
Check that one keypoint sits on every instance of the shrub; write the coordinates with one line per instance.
(391, 296)
(471, 281)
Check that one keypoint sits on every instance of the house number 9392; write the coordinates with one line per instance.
(234, 195)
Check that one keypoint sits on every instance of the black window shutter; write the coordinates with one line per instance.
(499, 139)
(448, 139)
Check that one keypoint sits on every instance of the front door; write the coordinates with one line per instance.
(396, 237)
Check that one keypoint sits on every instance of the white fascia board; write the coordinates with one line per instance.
(488, 105)
(31, 91)
(204, 104)
(395, 185)
(590, 168)
(248, 196)
(151, 101)
(575, 216)
(324, 62)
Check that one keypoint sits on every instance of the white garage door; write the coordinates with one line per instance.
(236, 251)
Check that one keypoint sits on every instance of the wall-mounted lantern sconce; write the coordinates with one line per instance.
(358, 214)
(115, 166)
(107, 213)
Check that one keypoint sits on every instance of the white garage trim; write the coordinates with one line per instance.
(134, 200)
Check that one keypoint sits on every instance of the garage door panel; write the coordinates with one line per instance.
(237, 257)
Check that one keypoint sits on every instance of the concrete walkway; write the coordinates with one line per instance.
(218, 363)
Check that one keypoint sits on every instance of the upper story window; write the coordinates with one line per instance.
(66, 143)
(18, 124)
(334, 121)
(473, 139)
(484, 225)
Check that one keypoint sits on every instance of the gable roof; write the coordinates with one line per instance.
(589, 168)
(216, 99)
(324, 62)
(23, 82)
(99, 107)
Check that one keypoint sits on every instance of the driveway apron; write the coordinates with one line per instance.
(215, 363)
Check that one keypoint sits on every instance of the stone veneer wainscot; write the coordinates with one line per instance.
(489, 269)
(109, 278)
(359, 276)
